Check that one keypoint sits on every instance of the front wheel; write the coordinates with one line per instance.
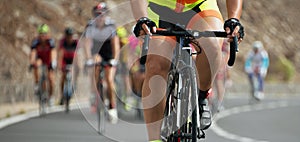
(189, 107)
(68, 92)
(101, 116)
(181, 114)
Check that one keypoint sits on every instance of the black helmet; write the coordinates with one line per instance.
(69, 31)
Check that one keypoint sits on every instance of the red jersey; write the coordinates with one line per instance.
(43, 50)
(68, 50)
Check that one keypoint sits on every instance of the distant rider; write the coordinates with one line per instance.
(43, 53)
(102, 44)
(256, 66)
(66, 54)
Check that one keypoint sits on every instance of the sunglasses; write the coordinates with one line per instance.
(98, 14)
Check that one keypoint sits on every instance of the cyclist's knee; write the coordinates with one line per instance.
(157, 66)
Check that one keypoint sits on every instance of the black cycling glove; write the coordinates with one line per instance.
(138, 27)
(31, 66)
(232, 23)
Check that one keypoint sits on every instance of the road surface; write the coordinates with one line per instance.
(273, 120)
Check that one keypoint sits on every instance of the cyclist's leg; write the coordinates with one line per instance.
(36, 75)
(109, 78)
(260, 83)
(208, 62)
(154, 87)
(95, 74)
(62, 83)
(50, 75)
(95, 79)
(251, 81)
(51, 82)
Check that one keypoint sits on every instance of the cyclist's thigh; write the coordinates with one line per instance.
(159, 55)
(207, 21)
(209, 18)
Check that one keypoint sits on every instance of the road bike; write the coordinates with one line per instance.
(100, 98)
(181, 115)
(68, 89)
(42, 89)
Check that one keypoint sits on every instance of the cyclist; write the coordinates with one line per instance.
(66, 53)
(194, 14)
(256, 65)
(43, 53)
(102, 44)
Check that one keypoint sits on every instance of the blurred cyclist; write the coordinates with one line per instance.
(256, 66)
(194, 14)
(124, 87)
(43, 53)
(66, 53)
(102, 44)
(221, 81)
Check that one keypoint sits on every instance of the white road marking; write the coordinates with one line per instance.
(19, 118)
(247, 108)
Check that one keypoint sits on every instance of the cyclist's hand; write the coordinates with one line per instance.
(53, 65)
(113, 62)
(144, 26)
(233, 27)
(89, 62)
(31, 66)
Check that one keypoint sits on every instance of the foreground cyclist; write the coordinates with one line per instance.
(66, 53)
(102, 44)
(43, 53)
(194, 14)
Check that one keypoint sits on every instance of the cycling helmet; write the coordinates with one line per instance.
(257, 45)
(99, 9)
(44, 28)
(69, 31)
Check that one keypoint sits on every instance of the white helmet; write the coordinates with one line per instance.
(257, 45)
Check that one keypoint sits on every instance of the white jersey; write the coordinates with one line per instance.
(101, 37)
(258, 60)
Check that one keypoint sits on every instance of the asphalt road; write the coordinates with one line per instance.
(273, 120)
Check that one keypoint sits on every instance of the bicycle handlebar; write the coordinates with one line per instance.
(192, 34)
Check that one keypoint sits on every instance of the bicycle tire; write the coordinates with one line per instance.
(42, 103)
(68, 92)
(187, 131)
(67, 104)
(42, 95)
(169, 112)
(189, 105)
